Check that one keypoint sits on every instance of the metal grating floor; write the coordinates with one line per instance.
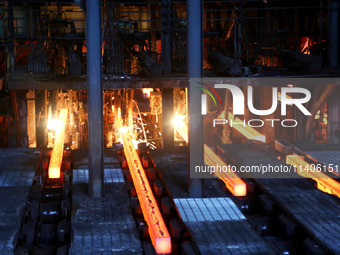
(208, 209)
(327, 157)
(111, 175)
(103, 225)
(16, 175)
(219, 227)
(317, 212)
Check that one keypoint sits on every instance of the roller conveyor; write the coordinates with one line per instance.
(218, 227)
(106, 224)
(14, 187)
(215, 223)
(313, 210)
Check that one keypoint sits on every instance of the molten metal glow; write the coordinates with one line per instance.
(58, 147)
(53, 124)
(147, 92)
(123, 130)
(157, 229)
(181, 127)
(178, 121)
(234, 184)
(249, 132)
(325, 183)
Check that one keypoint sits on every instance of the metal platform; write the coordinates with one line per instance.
(327, 154)
(219, 227)
(41, 82)
(216, 224)
(326, 157)
(104, 225)
(111, 175)
(315, 211)
(173, 167)
(17, 167)
(329, 158)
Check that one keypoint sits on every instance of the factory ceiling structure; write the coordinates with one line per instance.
(169, 127)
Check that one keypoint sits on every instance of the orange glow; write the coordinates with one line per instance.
(147, 92)
(324, 182)
(58, 147)
(234, 184)
(249, 132)
(279, 97)
(325, 116)
(181, 127)
(157, 229)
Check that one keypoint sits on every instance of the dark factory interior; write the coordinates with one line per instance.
(169, 127)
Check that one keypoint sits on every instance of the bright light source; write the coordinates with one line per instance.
(147, 92)
(178, 121)
(163, 245)
(58, 147)
(183, 132)
(240, 190)
(135, 143)
(123, 130)
(53, 124)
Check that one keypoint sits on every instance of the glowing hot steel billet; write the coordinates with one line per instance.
(325, 183)
(249, 132)
(234, 184)
(58, 147)
(181, 127)
(158, 232)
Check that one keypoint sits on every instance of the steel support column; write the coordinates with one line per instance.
(11, 57)
(166, 36)
(196, 147)
(333, 28)
(167, 112)
(95, 98)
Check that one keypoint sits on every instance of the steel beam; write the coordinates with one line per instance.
(233, 183)
(95, 98)
(159, 234)
(58, 147)
(333, 27)
(11, 31)
(196, 150)
(167, 112)
(166, 37)
(31, 123)
(247, 131)
(315, 172)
